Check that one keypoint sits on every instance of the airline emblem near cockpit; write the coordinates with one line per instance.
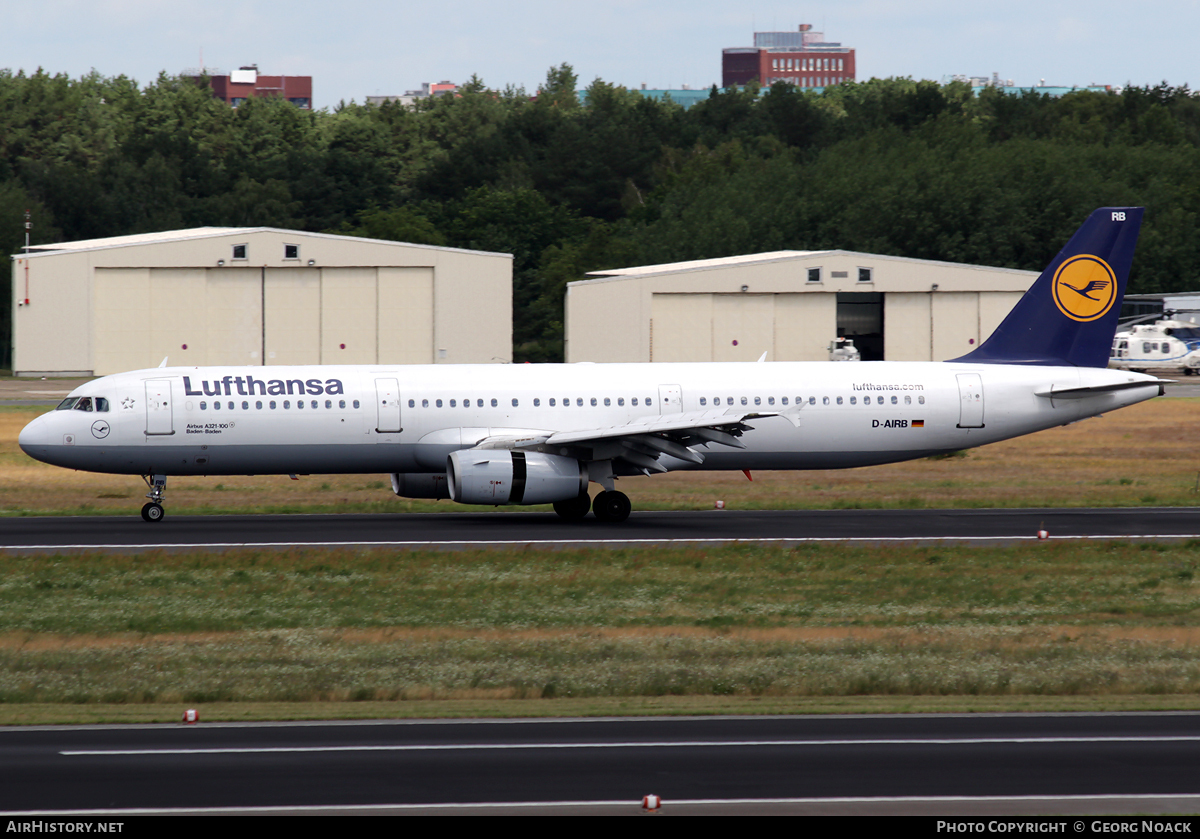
(100, 429)
(1084, 288)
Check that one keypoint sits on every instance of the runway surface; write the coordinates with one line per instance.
(1082, 763)
(499, 529)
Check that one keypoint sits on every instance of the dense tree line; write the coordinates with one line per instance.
(567, 186)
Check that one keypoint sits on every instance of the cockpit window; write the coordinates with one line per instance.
(83, 403)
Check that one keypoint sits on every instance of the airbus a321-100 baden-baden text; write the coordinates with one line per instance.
(541, 433)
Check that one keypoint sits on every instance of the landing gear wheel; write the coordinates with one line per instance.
(153, 512)
(612, 506)
(573, 509)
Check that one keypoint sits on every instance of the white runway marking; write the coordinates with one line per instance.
(662, 744)
(583, 542)
(622, 803)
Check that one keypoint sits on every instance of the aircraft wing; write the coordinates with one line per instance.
(642, 441)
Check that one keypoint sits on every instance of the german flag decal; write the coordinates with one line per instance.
(918, 423)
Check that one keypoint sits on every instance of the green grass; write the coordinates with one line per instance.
(747, 623)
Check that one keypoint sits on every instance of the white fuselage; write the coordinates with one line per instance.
(407, 419)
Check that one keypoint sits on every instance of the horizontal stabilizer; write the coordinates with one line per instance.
(1053, 392)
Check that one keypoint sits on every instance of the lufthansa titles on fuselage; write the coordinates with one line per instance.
(248, 385)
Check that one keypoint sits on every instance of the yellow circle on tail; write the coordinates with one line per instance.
(1084, 288)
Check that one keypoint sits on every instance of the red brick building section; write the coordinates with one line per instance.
(245, 82)
(802, 58)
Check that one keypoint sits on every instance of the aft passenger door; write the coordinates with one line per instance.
(970, 400)
(387, 406)
(159, 411)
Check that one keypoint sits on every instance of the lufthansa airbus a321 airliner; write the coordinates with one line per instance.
(541, 433)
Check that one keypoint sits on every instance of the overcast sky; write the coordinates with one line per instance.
(359, 48)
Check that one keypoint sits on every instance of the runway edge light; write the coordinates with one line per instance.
(190, 717)
(651, 803)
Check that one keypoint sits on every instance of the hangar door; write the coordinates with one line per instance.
(254, 316)
(187, 315)
(348, 315)
(741, 326)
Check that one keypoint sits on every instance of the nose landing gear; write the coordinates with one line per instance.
(153, 510)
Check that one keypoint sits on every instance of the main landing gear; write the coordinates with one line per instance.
(609, 506)
(153, 510)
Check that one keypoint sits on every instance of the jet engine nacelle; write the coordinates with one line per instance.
(420, 485)
(499, 476)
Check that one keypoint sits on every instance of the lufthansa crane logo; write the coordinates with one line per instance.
(1084, 288)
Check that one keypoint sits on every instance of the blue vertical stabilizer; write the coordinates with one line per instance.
(1069, 316)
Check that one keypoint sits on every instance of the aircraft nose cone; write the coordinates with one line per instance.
(34, 438)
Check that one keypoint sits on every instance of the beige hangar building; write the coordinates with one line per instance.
(255, 296)
(790, 305)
